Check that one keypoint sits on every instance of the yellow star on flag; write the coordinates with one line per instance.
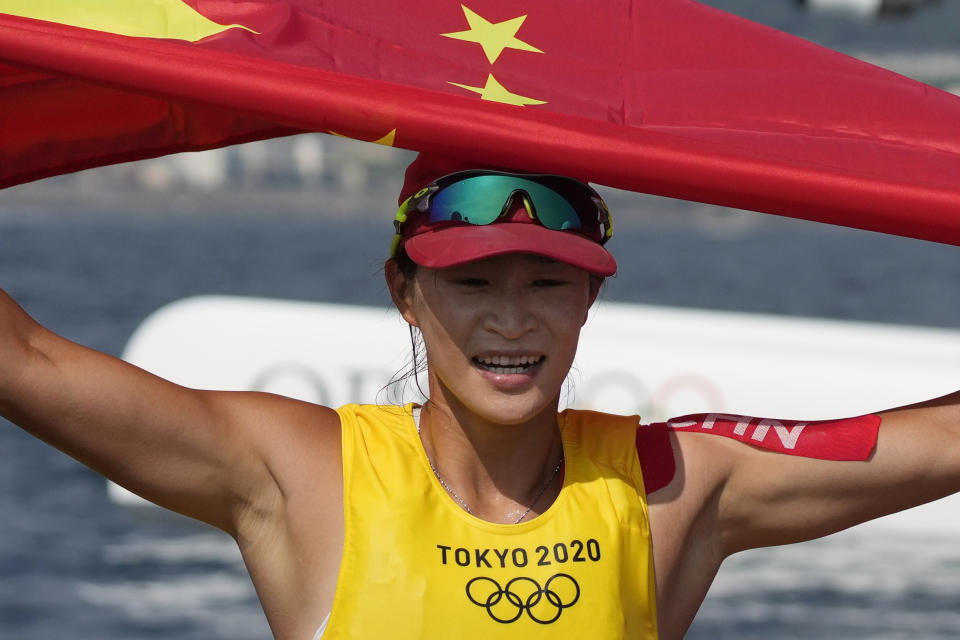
(493, 37)
(496, 92)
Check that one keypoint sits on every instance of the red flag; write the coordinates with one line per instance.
(662, 96)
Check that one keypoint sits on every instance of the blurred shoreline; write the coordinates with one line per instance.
(362, 185)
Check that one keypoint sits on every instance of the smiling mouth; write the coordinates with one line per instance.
(508, 364)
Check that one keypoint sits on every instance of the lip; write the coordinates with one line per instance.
(509, 380)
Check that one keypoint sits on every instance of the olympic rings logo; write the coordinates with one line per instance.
(524, 595)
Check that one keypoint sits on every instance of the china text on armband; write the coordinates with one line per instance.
(845, 439)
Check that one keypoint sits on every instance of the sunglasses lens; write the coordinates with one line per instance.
(474, 201)
(480, 200)
(553, 210)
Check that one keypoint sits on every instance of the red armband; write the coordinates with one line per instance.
(848, 439)
(851, 439)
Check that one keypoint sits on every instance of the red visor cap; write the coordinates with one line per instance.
(448, 245)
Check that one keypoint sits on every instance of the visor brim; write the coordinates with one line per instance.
(459, 244)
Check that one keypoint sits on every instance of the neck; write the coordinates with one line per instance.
(497, 469)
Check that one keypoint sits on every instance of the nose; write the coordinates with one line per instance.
(511, 314)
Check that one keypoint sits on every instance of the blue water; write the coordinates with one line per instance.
(73, 565)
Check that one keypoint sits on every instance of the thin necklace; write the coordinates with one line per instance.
(461, 501)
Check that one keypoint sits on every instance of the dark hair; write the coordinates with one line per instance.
(406, 266)
(417, 364)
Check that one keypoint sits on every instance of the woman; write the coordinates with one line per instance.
(483, 512)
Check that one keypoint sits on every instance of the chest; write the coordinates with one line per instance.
(432, 570)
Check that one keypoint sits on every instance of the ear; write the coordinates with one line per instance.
(401, 290)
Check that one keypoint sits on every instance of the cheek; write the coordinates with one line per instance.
(447, 316)
(567, 326)
(568, 339)
(567, 312)
(444, 333)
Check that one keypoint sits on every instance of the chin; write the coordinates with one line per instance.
(513, 410)
(496, 402)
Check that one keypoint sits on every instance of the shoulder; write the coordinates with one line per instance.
(656, 447)
(268, 417)
(603, 435)
(683, 447)
(292, 439)
(374, 422)
(609, 435)
(277, 449)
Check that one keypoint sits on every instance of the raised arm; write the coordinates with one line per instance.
(726, 496)
(214, 456)
(774, 499)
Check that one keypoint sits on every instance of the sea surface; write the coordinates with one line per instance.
(74, 565)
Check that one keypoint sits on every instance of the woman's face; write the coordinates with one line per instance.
(501, 333)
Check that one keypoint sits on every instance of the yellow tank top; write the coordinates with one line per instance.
(415, 565)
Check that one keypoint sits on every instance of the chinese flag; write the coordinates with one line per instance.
(662, 96)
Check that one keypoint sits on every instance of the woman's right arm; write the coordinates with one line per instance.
(214, 456)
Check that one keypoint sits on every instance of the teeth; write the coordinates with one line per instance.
(508, 364)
